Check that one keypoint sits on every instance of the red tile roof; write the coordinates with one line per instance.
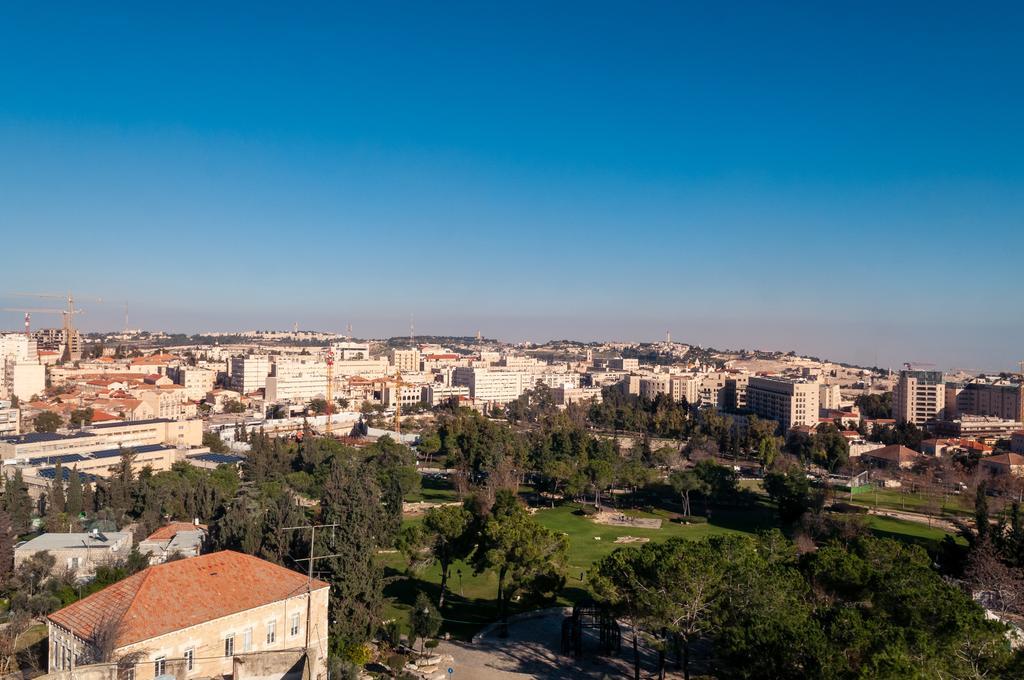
(168, 531)
(168, 597)
(894, 453)
(1007, 459)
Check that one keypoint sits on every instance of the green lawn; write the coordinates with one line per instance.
(433, 490)
(922, 534)
(471, 598)
(893, 499)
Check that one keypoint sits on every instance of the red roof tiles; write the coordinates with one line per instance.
(168, 531)
(168, 597)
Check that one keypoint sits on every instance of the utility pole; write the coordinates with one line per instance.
(309, 571)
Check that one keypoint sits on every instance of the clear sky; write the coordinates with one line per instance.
(846, 181)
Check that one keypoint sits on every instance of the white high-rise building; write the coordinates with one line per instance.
(21, 374)
(249, 374)
(297, 379)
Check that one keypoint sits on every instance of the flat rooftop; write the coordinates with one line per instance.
(72, 541)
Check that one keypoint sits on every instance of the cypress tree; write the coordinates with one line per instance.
(17, 504)
(57, 490)
(75, 500)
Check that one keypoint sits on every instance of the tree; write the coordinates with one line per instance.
(75, 497)
(213, 441)
(353, 499)
(791, 492)
(424, 620)
(56, 494)
(527, 556)
(982, 526)
(81, 416)
(7, 540)
(17, 503)
(47, 421)
(721, 481)
(875, 405)
(685, 481)
(318, 406)
(429, 445)
(447, 529)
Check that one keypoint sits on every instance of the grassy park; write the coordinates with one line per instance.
(471, 598)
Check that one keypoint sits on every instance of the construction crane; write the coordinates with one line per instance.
(29, 311)
(69, 314)
(399, 384)
(330, 392)
(911, 365)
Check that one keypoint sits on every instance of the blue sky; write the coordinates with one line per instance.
(846, 181)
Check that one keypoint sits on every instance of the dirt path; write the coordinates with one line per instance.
(918, 518)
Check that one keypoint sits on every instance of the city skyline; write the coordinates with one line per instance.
(779, 178)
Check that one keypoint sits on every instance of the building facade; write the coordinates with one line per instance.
(919, 396)
(249, 374)
(197, 618)
(790, 402)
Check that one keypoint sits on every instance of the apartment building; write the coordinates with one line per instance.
(350, 351)
(621, 364)
(491, 386)
(165, 401)
(790, 402)
(829, 397)
(919, 396)
(196, 381)
(712, 389)
(437, 393)
(1000, 399)
(10, 419)
(564, 396)
(734, 393)
(297, 379)
(650, 386)
(249, 374)
(21, 374)
(207, 616)
(406, 360)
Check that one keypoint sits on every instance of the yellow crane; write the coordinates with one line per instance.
(69, 314)
(399, 384)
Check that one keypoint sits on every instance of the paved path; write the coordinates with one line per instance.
(531, 650)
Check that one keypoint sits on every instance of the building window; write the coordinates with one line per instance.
(159, 666)
(247, 640)
(295, 625)
(229, 645)
(190, 657)
(126, 673)
(271, 632)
